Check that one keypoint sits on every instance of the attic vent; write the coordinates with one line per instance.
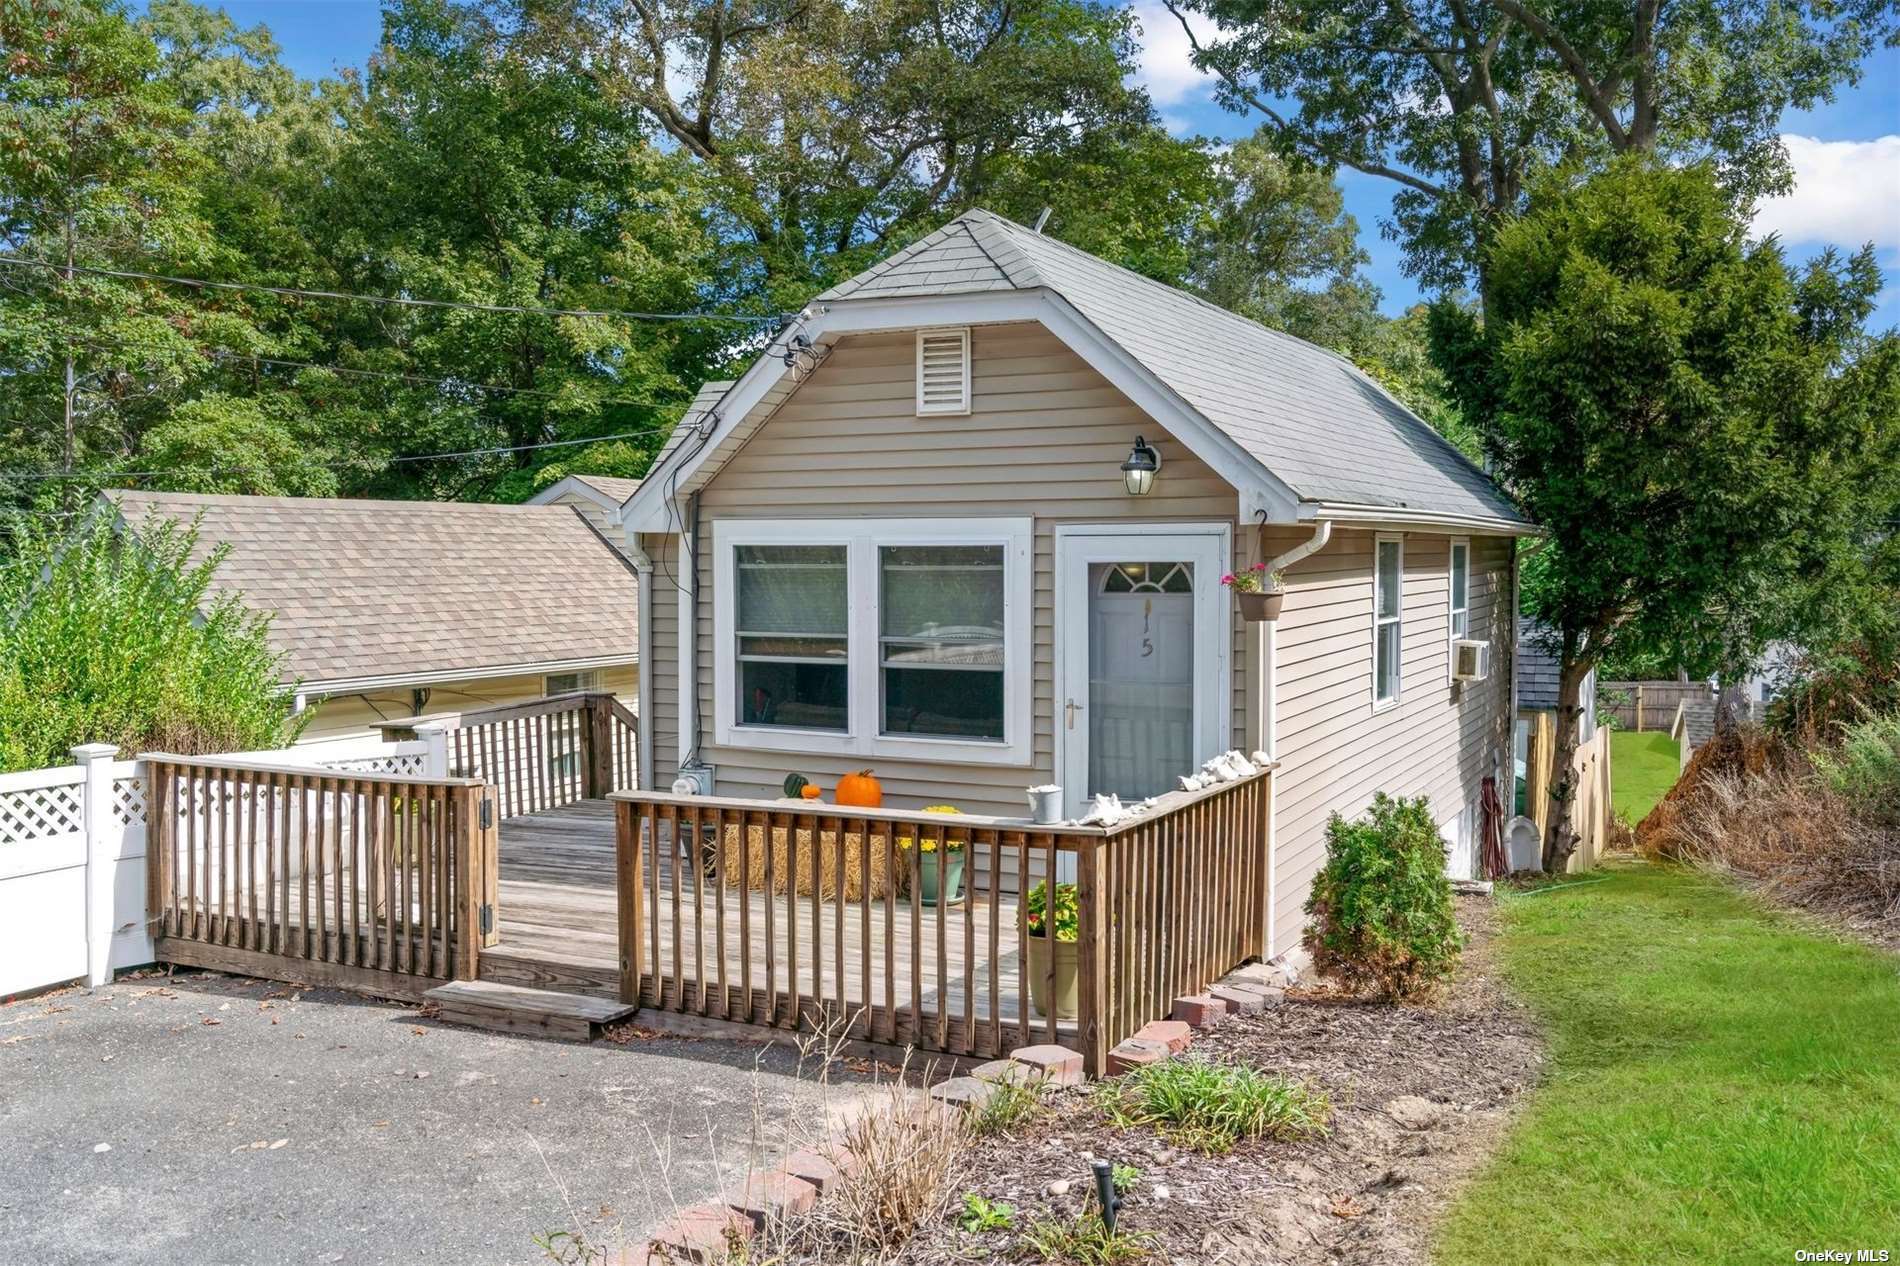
(943, 371)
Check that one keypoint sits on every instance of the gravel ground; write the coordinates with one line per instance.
(208, 1120)
(1421, 1096)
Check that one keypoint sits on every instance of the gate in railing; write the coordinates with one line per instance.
(798, 916)
(379, 882)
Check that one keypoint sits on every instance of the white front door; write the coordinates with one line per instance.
(1142, 647)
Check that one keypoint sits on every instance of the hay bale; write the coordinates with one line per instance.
(798, 858)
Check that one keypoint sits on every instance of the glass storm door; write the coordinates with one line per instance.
(1141, 676)
(1143, 659)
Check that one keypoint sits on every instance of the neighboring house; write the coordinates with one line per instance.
(909, 537)
(597, 497)
(1538, 668)
(389, 609)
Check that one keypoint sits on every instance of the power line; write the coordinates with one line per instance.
(391, 300)
(230, 355)
(96, 476)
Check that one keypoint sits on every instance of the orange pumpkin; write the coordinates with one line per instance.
(860, 790)
(810, 791)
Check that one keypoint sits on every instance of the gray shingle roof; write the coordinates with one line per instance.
(1310, 417)
(702, 404)
(1537, 668)
(363, 589)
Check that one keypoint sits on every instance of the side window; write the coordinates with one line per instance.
(792, 632)
(941, 650)
(1460, 615)
(1387, 593)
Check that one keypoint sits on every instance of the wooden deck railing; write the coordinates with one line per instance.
(790, 915)
(383, 883)
(541, 754)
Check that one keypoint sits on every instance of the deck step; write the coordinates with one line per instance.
(484, 1004)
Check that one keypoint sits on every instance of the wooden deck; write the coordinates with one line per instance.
(557, 907)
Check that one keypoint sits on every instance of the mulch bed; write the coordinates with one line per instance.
(1421, 1093)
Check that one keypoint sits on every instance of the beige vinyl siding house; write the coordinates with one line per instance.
(968, 406)
(1042, 429)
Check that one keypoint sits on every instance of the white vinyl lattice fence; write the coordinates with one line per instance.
(73, 859)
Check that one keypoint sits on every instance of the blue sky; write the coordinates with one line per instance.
(1846, 154)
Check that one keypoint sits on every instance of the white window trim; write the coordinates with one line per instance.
(1451, 601)
(962, 407)
(1398, 678)
(862, 537)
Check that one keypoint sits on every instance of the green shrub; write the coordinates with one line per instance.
(1380, 915)
(1864, 767)
(109, 637)
(1210, 1107)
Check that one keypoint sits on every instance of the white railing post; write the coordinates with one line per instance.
(102, 861)
(436, 760)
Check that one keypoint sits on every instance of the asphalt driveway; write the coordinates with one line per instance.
(207, 1120)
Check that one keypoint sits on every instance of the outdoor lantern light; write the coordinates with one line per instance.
(1138, 472)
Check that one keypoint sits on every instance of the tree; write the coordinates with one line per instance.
(1277, 245)
(97, 171)
(469, 170)
(1460, 104)
(1691, 422)
(833, 132)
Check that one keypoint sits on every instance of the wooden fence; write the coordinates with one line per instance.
(1593, 809)
(1646, 705)
(789, 915)
(541, 754)
(380, 882)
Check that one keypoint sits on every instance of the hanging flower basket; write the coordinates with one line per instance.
(1258, 592)
(1258, 607)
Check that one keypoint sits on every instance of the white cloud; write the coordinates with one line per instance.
(1166, 66)
(1845, 192)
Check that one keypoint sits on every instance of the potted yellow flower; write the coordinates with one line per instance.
(923, 854)
(1053, 932)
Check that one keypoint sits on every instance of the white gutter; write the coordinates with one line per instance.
(1271, 723)
(685, 573)
(356, 685)
(1402, 518)
(643, 634)
(1305, 549)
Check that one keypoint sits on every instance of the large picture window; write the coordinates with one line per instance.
(793, 629)
(941, 652)
(1388, 587)
(874, 637)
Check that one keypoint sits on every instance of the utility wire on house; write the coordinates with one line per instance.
(402, 301)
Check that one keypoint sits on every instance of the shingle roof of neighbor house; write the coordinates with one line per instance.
(611, 486)
(387, 590)
(1309, 416)
(1537, 668)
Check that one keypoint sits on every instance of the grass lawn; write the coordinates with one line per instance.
(1723, 1085)
(1642, 768)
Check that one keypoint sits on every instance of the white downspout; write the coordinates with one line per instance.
(1271, 724)
(685, 587)
(643, 635)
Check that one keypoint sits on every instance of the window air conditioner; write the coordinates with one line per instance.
(1470, 660)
